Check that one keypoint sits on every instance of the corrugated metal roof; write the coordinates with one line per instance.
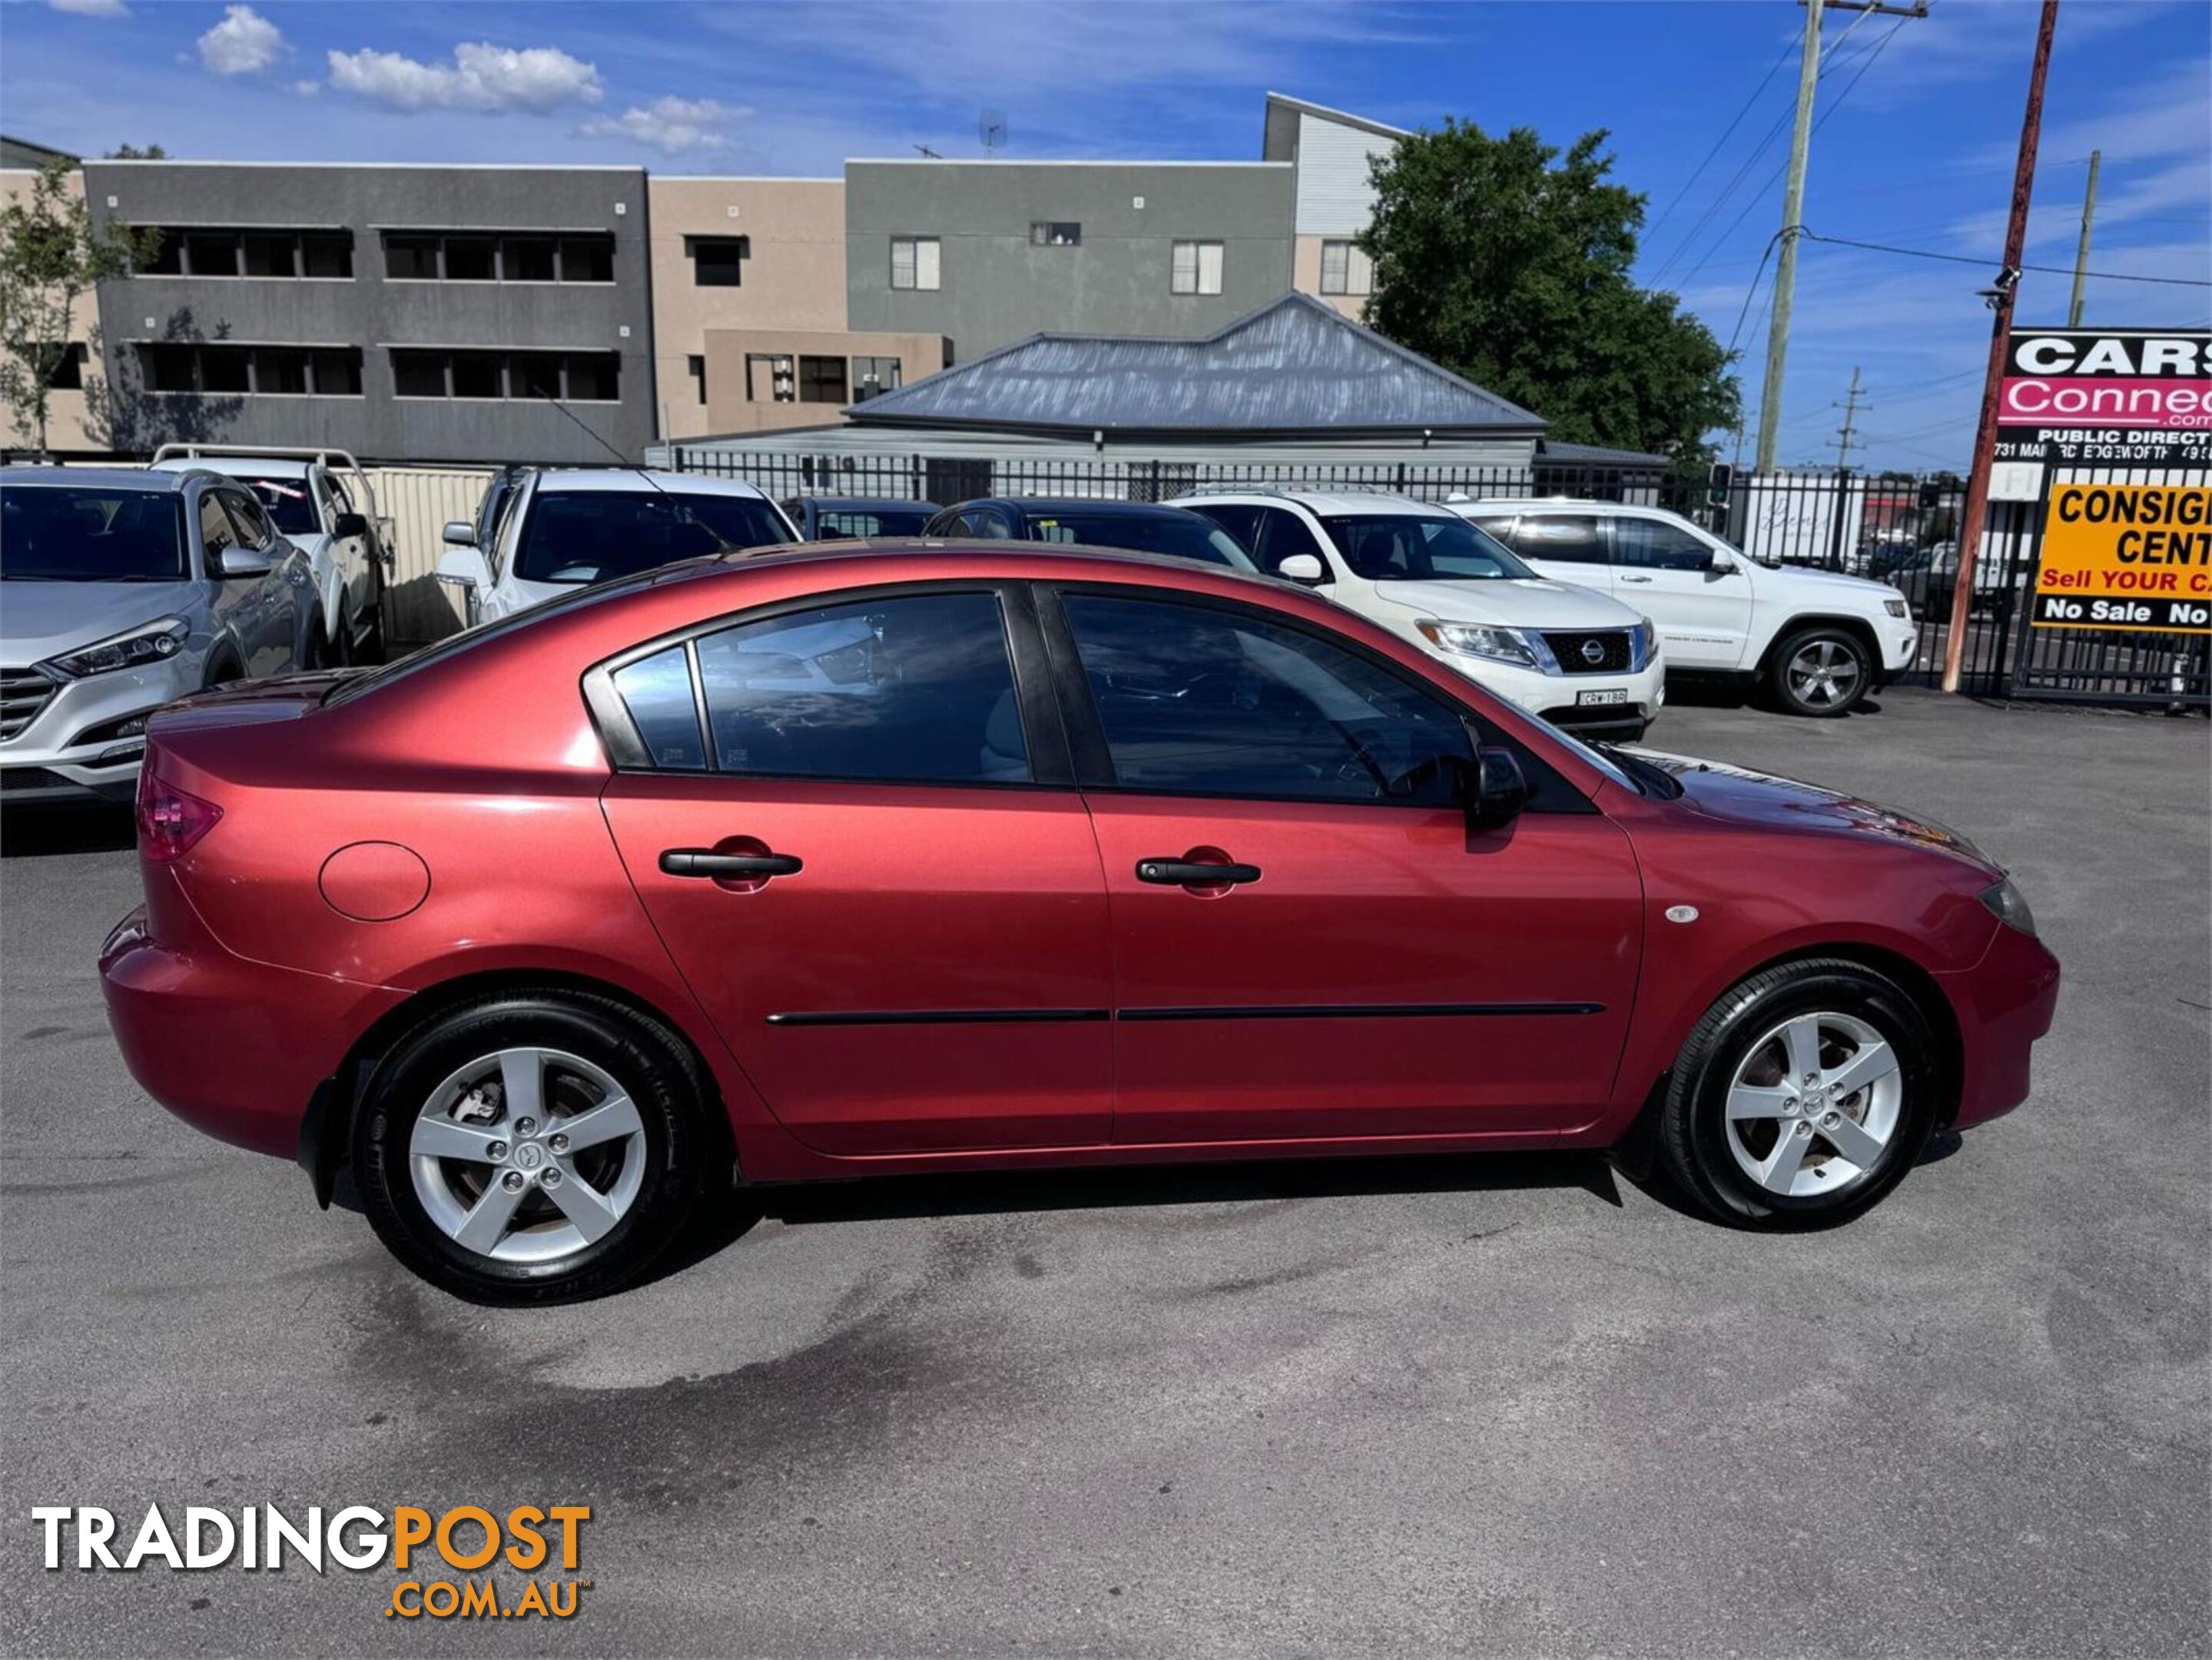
(1295, 365)
(1598, 455)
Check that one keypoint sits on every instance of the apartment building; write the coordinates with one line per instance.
(1331, 154)
(405, 312)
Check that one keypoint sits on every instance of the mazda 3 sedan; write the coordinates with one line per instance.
(862, 860)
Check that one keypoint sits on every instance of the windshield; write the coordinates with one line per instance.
(288, 502)
(874, 522)
(60, 533)
(588, 536)
(1179, 535)
(1404, 547)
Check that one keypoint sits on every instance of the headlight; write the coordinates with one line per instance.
(155, 643)
(2005, 905)
(1642, 642)
(1479, 640)
(1897, 607)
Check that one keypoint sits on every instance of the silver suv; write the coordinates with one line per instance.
(120, 591)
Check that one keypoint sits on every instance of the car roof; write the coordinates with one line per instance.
(1562, 503)
(637, 481)
(237, 467)
(1072, 505)
(867, 502)
(106, 478)
(1317, 502)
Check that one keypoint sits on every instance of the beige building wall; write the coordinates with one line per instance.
(741, 374)
(1305, 277)
(65, 410)
(792, 277)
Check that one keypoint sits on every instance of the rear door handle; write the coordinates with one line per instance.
(1189, 873)
(705, 862)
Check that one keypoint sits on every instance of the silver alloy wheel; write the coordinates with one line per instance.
(527, 1155)
(1823, 673)
(1814, 1104)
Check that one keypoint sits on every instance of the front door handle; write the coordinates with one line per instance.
(1191, 874)
(1626, 578)
(705, 862)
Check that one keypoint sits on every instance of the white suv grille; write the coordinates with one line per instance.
(23, 693)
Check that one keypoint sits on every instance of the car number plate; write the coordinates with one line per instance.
(1607, 694)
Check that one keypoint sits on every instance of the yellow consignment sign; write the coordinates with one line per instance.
(2127, 557)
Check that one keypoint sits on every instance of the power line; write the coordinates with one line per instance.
(1698, 172)
(1975, 259)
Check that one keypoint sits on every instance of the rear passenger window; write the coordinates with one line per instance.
(1654, 544)
(917, 689)
(1571, 539)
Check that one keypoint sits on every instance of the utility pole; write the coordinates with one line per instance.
(1793, 218)
(2082, 253)
(1848, 434)
(1985, 432)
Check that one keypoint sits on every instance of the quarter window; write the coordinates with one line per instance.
(1197, 701)
(915, 262)
(657, 691)
(1654, 544)
(1195, 268)
(917, 688)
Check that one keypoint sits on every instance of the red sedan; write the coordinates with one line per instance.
(888, 858)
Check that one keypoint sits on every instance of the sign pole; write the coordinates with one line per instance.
(1985, 432)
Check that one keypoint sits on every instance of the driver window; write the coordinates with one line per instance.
(1654, 544)
(1284, 533)
(1195, 700)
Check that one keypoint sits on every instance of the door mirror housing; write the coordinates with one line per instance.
(464, 567)
(459, 533)
(1302, 568)
(1497, 791)
(232, 562)
(348, 525)
(1723, 564)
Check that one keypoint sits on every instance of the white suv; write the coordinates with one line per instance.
(1579, 660)
(1818, 642)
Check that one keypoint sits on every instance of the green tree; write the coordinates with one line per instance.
(51, 256)
(1509, 264)
(132, 153)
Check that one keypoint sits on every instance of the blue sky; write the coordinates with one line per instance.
(1915, 148)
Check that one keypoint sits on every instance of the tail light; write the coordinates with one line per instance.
(170, 820)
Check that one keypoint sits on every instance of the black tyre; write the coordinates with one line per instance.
(532, 1148)
(1801, 1097)
(1820, 671)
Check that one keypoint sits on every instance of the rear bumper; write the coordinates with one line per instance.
(235, 1049)
(2005, 1003)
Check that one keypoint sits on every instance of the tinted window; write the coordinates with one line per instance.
(287, 502)
(870, 521)
(215, 530)
(917, 689)
(588, 536)
(1178, 535)
(1572, 538)
(1404, 547)
(1499, 527)
(657, 691)
(253, 527)
(1241, 522)
(65, 535)
(1654, 544)
(1196, 700)
(1283, 533)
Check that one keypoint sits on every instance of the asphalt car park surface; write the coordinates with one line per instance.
(1510, 1405)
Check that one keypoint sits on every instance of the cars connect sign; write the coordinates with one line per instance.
(2107, 397)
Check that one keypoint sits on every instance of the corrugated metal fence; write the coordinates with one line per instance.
(419, 501)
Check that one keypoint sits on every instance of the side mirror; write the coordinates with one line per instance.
(1723, 564)
(242, 561)
(348, 525)
(464, 567)
(1304, 567)
(1498, 791)
(459, 533)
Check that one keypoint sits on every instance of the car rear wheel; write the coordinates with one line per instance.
(528, 1148)
(1820, 671)
(1801, 1097)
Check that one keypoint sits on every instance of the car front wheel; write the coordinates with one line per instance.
(1801, 1097)
(1820, 671)
(527, 1148)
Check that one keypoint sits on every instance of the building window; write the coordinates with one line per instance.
(1196, 268)
(231, 371)
(67, 375)
(697, 364)
(579, 377)
(189, 251)
(1055, 233)
(771, 377)
(873, 376)
(915, 262)
(413, 256)
(822, 380)
(1345, 269)
(718, 262)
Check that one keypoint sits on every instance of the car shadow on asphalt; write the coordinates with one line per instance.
(42, 832)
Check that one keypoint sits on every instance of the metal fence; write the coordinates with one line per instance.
(1892, 527)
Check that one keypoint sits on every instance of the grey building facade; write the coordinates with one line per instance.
(989, 252)
(404, 313)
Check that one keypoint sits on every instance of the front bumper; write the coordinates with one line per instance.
(2004, 1003)
(1559, 698)
(1900, 639)
(58, 757)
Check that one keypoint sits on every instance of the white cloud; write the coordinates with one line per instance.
(675, 126)
(307, 88)
(92, 7)
(481, 76)
(244, 43)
